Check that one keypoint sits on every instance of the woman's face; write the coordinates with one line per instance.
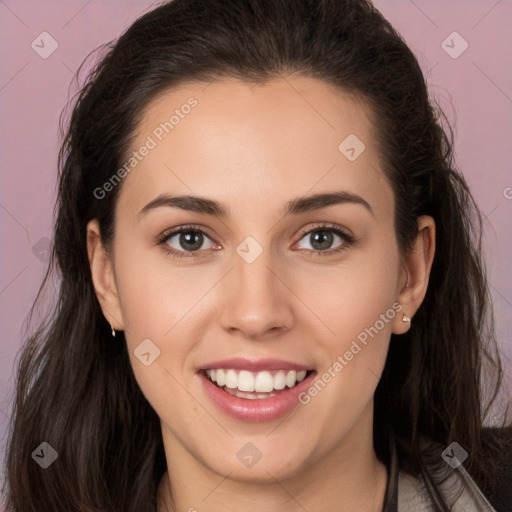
(267, 272)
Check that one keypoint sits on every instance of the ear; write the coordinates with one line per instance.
(103, 277)
(416, 272)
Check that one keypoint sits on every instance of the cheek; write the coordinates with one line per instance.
(357, 301)
(360, 312)
(351, 296)
(156, 295)
(159, 303)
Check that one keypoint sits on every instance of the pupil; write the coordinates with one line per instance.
(323, 239)
(191, 240)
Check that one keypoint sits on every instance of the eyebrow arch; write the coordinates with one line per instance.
(293, 207)
(317, 201)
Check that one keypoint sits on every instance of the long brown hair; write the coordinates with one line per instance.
(76, 389)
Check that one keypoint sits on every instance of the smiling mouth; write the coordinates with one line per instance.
(255, 385)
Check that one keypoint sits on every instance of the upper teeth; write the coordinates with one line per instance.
(262, 382)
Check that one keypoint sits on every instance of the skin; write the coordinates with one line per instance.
(254, 148)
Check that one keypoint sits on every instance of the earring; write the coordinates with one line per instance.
(406, 319)
(113, 331)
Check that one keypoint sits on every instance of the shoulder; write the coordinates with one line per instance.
(457, 487)
(500, 494)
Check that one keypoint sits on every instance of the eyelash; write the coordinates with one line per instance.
(348, 239)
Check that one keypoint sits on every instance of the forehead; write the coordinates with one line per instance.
(232, 140)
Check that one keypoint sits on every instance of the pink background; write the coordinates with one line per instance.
(475, 90)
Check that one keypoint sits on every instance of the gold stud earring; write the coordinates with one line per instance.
(406, 319)
(113, 331)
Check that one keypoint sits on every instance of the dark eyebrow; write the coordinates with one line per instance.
(294, 207)
(190, 203)
(317, 201)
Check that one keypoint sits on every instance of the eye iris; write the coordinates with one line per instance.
(191, 240)
(322, 238)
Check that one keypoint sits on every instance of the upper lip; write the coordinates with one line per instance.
(239, 363)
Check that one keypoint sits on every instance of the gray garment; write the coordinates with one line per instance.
(408, 493)
(460, 491)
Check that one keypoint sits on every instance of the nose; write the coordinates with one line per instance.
(257, 302)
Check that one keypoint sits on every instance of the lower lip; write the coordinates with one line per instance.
(257, 410)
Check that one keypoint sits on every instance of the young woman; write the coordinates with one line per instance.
(272, 295)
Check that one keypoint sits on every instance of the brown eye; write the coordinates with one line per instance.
(190, 240)
(186, 240)
(322, 239)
